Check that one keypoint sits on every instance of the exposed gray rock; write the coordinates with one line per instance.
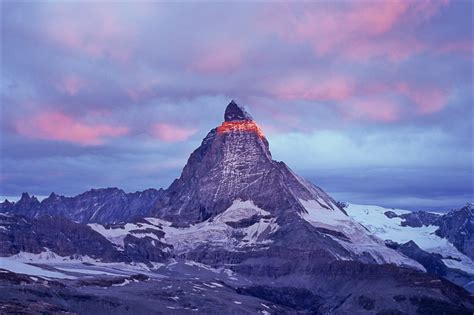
(433, 263)
(71, 239)
(235, 112)
(415, 218)
(458, 227)
(58, 234)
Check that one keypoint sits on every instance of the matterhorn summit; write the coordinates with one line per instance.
(234, 168)
(236, 112)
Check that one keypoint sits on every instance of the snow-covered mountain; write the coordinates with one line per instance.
(233, 171)
(391, 226)
(269, 240)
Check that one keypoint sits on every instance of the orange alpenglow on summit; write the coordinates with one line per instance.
(237, 119)
(242, 126)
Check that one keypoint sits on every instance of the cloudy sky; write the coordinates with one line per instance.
(371, 101)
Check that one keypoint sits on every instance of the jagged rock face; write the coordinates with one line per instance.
(234, 162)
(110, 205)
(65, 238)
(235, 112)
(434, 264)
(59, 235)
(458, 227)
(29, 205)
(415, 219)
(431, 261)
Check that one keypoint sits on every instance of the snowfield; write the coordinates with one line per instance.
(328, 216)
(14, 265)
(32, 264)
(374, 219)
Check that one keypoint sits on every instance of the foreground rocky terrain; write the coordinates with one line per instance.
(237, 232)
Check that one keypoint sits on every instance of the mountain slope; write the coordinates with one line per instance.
(420, 242)
(234, 164)
(385, 226)
(458, 227)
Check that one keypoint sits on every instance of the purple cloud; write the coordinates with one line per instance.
(93, 85)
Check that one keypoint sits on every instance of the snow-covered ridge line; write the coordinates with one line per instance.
(385, 228)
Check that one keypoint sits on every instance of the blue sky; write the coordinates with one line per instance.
(371, 101)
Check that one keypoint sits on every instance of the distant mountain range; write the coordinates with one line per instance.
(239, 224)
(108, 205)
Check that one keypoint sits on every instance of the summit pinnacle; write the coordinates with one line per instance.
(236, 112)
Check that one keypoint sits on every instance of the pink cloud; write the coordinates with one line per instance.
(222, 57)
(376, 18)
(358, 30)
(330, 89)
(71, 84)
(61, 127)
(366, 101)
(427, 99)
(144, 91)
(392, 50)
(380, 110)
(171, 133)
(94, 32)
(327, 29)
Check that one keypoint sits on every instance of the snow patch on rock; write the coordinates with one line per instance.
(218, 231)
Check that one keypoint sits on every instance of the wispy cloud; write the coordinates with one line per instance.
(58, 126)
(171, 133)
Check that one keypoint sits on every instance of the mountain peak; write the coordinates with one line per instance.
(238, 120)
(25, 196)
(234, 163)
(27, 199)
(236, 112)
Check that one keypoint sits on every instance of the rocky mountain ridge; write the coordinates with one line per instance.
(106, 205)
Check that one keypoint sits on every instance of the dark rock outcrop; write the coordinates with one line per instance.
(416, 218)
(432, 262)
(458, 227)
(235, 112)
